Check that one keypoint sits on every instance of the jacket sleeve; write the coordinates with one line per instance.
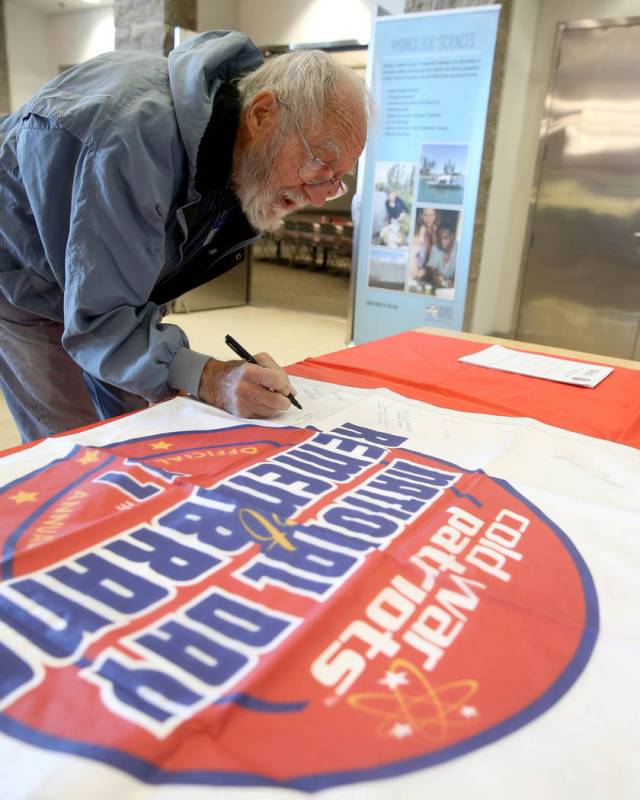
(113, 248)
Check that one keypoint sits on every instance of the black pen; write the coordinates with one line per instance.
(239, 350)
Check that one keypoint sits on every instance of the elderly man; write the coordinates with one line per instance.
(131, 179)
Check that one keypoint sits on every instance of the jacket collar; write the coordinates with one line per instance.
(215, 152)
(197, 69)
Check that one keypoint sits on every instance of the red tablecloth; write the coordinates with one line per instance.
(426, 367)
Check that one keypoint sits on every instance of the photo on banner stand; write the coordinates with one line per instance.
(388, 268)
(434, 252)
(391, 223)
(392, 201)
(442, 174)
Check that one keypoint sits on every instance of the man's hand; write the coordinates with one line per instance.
(244, 389)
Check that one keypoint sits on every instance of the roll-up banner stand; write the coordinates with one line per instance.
(430, 75)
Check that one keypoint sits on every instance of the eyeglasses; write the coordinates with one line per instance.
(313, 172)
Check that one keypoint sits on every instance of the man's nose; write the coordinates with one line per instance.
(317, 192)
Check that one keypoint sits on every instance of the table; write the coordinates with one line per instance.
(423, 583)
(424, 364)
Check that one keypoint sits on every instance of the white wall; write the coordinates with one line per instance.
(27, 51)
(291, 21)
(217, 15)
(527, 73)
(79, 35)
(297, 21)
(37, 45)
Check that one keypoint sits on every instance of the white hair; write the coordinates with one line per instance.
(310, 82)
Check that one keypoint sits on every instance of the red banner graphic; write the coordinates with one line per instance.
(280, 606)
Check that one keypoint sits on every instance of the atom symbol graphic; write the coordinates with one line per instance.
(413, 706)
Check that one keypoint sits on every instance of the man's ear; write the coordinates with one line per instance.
(261, 113)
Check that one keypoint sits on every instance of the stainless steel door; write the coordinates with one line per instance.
(581, 281)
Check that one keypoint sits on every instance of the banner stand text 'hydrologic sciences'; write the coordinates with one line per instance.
(430, 74)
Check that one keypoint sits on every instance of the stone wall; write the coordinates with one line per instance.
(148, 24)
(490, 132)
(4, 67)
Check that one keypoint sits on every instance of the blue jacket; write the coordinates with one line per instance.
(98, 176)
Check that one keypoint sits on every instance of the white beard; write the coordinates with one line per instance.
(252, 180)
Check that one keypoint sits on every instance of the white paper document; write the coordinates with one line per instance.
(538, 366)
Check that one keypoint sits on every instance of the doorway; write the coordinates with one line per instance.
(581, 272)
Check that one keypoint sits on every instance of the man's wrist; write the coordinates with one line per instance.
(185, 371)
(213, 387)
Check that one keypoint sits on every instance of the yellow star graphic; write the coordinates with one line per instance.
(90, 457)
(24, 497)
(161, 446)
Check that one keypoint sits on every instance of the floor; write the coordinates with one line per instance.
(302, 288)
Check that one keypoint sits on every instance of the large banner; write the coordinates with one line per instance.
(193, 605)
(430, 74)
